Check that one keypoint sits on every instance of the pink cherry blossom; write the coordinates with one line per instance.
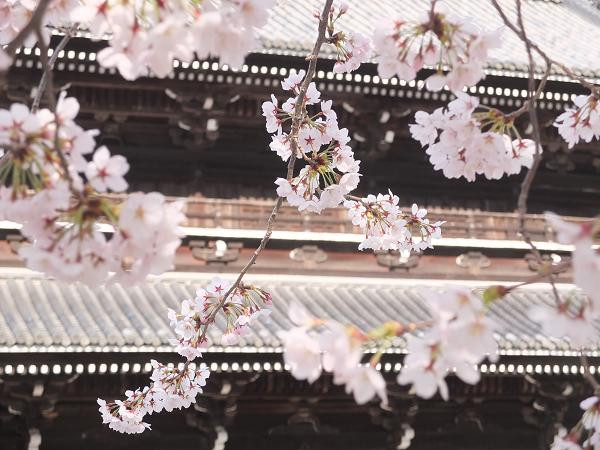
(386, 227)
(106, 172)
(352, 49)
(460, 338)
(582, 122)
(302, 353)
(365, 383)
(458, 145)
(574, 324)
(438, 38)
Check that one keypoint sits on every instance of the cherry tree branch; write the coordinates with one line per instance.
(531, 101)
(533, 46)
(296, 123)
(587, 374)
(530, 106)
(32, 26)
(49, 65)
(46, 87)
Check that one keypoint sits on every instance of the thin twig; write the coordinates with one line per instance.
(587, 374)
(296, 123)
(540, 89)
(46, 86)
(530, 106)
(546, 271)
(47, 80)
(533, 46)
(527, 182)
(49, 64)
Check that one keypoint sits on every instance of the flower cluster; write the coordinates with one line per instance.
(581, 122)
(152, 34)
(352, 48)
(331, 171)
(460, 337)
(458, 145)
(176, 388)
(149, 33)
(586, 435)
(48, 186)
(439, 39)
(171, 388)
(241, 307)
(572, 318)
(386, 227)
(315, 345)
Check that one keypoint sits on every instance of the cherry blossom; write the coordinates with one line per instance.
(62, 214)
(302, 353)
(175, 387)
(438, 38)
(574, 317)
(331, 171)
(352, 49)
(14, 15)
(591, 416)
(586, 434)
(564, 441)
(460, 337)
(244, 304)
(386, 227)
(364, 382)
(270, 111)
(461, 143)
(423, 369)
(151, 39)
(317, 345)
(106, 172)
(585, 258)
(52, 181)
(171, 388)
(148, 236)
(581, 122)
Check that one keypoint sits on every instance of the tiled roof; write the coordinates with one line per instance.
(38, 314)
(568, 30)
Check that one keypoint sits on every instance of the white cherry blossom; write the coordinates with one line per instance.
(302, 353)
(438, 38)
(105, 172)
(457, 143)
(581, 122)
(364, 383)
(386, 227)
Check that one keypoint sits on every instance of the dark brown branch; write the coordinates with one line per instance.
(32, 26)
(528, 104)
(549, 61)
(296, 123)
(587, 374)
(533, 118)
(527, 182)
(46, 86)
(49, 65)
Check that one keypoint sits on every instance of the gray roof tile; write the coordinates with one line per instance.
(35, 311)
(567, 32)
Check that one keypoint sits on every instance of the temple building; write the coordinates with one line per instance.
(199, 135)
